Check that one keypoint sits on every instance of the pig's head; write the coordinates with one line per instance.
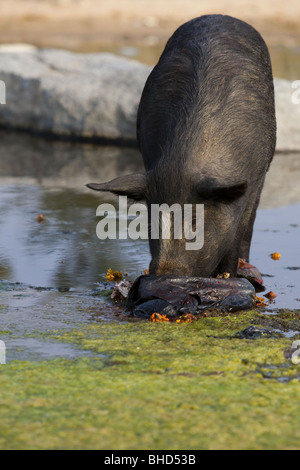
(212, 251)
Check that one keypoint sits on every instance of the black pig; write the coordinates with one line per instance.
(206, 129)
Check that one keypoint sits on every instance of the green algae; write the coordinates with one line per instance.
(157, 386)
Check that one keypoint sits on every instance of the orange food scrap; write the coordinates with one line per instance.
(157, 317)
(271, 295)
(260, 301)
(146, 272)
(223, 276)
(275, 255)
(113, 275)
(40, 218)
(187, 318)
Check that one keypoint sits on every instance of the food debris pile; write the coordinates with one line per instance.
(184, 299)
(175, 297)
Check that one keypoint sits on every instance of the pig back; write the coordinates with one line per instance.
(210, 98)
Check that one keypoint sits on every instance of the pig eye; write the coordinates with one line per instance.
(225, 194)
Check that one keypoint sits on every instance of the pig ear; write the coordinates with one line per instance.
(132, 186)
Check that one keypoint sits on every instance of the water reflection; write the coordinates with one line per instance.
(38, 176)
(49, 178)
(278, 230)
(61, 164)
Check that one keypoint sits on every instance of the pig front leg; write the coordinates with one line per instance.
(247, 223)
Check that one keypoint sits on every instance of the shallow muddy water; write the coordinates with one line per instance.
(53, 273)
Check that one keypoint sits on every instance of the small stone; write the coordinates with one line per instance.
(253, 332)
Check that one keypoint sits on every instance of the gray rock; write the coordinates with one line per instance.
(287, 103)
(253, 332)
(59, 92)
(96, 95)
(281, 186)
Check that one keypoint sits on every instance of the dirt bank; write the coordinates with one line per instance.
(90, 25)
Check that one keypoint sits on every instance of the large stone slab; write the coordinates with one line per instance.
(55, 91)
(287, 102)
(97, 95)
